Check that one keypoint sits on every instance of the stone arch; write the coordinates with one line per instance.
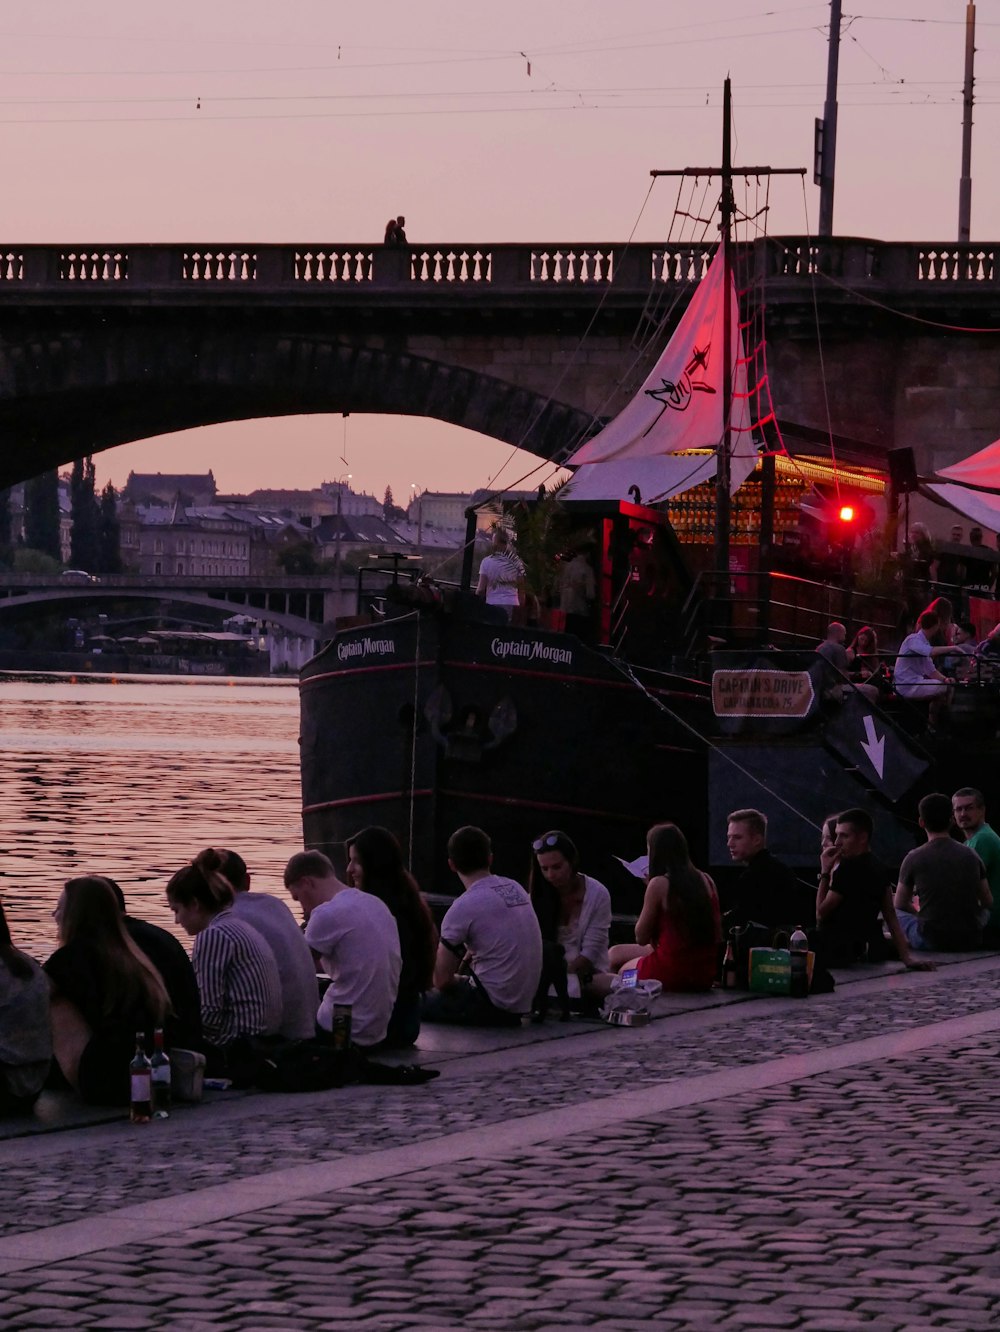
(122, 380)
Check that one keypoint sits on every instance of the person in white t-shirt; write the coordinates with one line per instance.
(501, 575)
(272, 919)
(493, 929)
(915, 677)
(357, 942)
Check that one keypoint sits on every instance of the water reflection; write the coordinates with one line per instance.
(133, 777)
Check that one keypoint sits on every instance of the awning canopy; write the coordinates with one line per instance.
(656, 478)
(972, 486)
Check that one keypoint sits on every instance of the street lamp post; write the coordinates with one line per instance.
(416, 494)
(338, 536)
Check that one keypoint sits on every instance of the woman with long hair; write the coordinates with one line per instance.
(375, 865)
(573, 909)
(679, 928)
(238, 978)
(25, 1029)
(104, 990)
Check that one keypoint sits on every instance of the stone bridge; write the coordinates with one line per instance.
(302, 605)
(531, 344)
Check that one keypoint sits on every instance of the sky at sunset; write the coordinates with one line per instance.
(312, 122)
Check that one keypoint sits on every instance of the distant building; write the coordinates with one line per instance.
(163, 488)
(344, 534)
(198, 540)
(438, 508)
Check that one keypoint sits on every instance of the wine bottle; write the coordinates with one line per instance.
(160, 1076)
(141, 1082)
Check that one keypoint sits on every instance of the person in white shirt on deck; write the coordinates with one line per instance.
(915, 677)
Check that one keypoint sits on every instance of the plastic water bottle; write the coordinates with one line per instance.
(798, 947)
(160, 1073)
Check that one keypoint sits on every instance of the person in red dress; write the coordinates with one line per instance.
(679, 929)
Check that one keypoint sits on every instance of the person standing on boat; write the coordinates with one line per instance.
(577, 591)
(272, 920)
(492, 931)
(357, 942)
(501, 576)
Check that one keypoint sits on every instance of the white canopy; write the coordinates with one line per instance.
(678, 407)
(982, 470)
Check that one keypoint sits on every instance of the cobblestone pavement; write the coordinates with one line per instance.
(860, 1189)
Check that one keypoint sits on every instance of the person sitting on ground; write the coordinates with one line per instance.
(356, 940)
(25, 1027)
(501, 576)
(492, 931)
(837, 684)
(950, 883)
(170, 959)
(573, 910)
(968, 805)
(276, 925)
(767, 891)
(679, 929)
(854, 892)
(375, 865)
(915, 676)
(104, 990)
(237, 975)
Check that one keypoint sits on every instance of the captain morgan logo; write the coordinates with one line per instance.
(531, 650)
(365, 647)
(678, 396)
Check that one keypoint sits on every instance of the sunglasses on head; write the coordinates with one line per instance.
(540, 843)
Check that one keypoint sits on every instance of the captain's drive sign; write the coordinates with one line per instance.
(762, 693)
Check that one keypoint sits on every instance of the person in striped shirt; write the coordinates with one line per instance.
(238, 978)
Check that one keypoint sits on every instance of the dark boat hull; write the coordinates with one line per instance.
(588, 748)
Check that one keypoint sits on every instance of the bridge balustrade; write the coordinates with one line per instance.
(792, 260)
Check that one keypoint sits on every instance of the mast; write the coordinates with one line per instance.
(826, 129)
(722, 469)
(965, 184)
(724, 447)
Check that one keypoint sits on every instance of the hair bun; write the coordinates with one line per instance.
(209, 861)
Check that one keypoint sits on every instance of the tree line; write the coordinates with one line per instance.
(95, 536)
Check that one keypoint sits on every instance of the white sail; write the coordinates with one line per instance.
(678, 407)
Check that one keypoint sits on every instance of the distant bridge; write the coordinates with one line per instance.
(531, 344)
(302, 605)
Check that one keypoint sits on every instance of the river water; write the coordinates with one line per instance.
(131, 777)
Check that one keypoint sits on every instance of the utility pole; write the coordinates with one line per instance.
(825, 160)
(965, 184)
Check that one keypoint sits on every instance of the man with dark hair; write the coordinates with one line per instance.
(950, 881)
(355, 937)
(493, 929)
(170, 959)
(968, 805)
(854, 890)
(272, 919)
(915, 677)
(766, 891)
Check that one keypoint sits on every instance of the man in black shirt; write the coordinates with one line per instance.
(766, 891)
(855, 889)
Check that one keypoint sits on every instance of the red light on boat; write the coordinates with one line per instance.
(846, 514)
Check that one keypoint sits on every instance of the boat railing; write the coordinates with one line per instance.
(736, 609)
